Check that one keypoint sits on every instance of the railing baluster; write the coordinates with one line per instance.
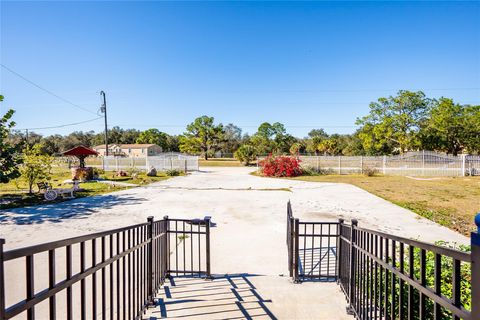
(129, 273)
(423, 268)
(69, 276)
(104, 300)
(111, 286)
(456, 285)
(438, 284)
(117, 238)
(394, 282)
(207, 247)
(83, 297)
(411, 273)
(401, 299)
(191, 250)
(387, 276)
(51, 283)
(2, 281)
(94, 280)
(150, 261)
(30, 285)
(124, 279)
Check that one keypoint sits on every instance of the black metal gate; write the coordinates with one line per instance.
(312, 249)
(385, 276)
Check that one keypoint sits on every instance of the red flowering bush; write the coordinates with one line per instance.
(280, 166)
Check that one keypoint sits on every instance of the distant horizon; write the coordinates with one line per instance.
(308, 65)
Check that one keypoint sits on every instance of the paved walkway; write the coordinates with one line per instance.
(248, 242)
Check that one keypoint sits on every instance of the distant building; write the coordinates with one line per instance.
(129, 150)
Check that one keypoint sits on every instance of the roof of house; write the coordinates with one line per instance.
(80, 151)
(128, 146)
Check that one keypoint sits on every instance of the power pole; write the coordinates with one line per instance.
(103, 109)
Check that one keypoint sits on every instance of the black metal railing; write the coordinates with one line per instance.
(109, 275)
(388, 277)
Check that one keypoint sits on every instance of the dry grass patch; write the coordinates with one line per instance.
(452, 202)
(219, 162)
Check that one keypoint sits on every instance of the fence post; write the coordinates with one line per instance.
(475, 242)
(384, 164)
(353, 240)
(296, 251)
(2, 282)
(339, 164)
(318, 164)
(423, 162)
(150, 261)
(207, 248)
(361, 164)
(464, 157)
(339, 247)
(290, 246)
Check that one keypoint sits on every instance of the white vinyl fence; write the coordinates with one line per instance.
(423, 163)
(162, 162)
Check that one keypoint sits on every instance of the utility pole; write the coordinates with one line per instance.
(103, 109)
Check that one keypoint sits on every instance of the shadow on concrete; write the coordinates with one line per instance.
(79, 208)
(226, 297)
(318, 264)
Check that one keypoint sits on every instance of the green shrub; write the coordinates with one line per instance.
(245, 154)
(446, 282)
(173, 172)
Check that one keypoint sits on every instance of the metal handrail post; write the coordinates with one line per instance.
(353, 240)
(207, 247)
(2, 281)
(475, 242)
(150, 261)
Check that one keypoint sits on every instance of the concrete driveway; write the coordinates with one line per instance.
(248, 241)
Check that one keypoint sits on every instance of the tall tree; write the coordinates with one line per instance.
(393, 123)
(203, 136)
(472, 122)
(232, 138)
(154, 136)
(9, 160)
(445, 128)
(272, 138)
(315, 137)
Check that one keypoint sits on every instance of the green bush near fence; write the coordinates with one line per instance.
(447, 265)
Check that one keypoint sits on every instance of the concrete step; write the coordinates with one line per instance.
(225, 297)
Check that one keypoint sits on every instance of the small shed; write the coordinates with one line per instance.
(81, 152)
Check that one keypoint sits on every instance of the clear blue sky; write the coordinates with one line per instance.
(305, 64)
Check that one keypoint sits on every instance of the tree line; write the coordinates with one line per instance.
(408, 121)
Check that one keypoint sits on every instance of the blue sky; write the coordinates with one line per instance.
(305, 64)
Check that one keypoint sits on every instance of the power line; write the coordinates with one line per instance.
(63, 125)
(238, 125)
(46, 90)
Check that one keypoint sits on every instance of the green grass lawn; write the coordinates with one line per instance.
(451, 201)
(15, 193)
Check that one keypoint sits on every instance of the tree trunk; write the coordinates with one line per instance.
(206, 155)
